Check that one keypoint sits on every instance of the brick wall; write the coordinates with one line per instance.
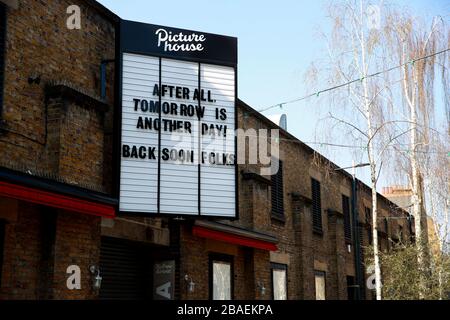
(22, 255)
(77, 243)
(299, 248)
(60, 129)
(39, 44)
(250, 266)
(38, 251)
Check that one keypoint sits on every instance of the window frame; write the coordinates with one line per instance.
(283, 267)
(218, 257)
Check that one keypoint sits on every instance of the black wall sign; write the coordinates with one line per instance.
(177, 143)
(142, 38)
(163, 280)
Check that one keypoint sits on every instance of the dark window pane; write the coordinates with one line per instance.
(316, 205)
(277, 191)
(347, 221)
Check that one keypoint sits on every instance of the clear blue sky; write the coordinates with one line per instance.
(277, 41)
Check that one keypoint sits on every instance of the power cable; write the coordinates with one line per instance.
(352, 81)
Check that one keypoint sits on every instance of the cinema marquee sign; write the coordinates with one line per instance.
(178, 121)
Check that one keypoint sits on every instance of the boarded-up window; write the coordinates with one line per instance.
(319, 277)
(221, 277)
(277, 191)
(347, 221)
(279, 281)
(316, 206)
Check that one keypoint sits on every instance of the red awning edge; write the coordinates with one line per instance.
(55, 200)
(232, 238)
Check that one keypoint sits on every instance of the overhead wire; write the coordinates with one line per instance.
(316, 94)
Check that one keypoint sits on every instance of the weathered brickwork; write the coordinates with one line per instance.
(22, 254)
(39, 45)
(54, 127)
(77, 243)
(250, 267)
(302, 250)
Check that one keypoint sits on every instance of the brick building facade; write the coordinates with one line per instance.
(53, 134)
(57, 188)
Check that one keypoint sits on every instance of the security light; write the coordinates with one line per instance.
(190, 285)
(97, 280)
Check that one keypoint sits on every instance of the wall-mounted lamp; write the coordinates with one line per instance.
(97, 280)
(262, 288)
(190, 285)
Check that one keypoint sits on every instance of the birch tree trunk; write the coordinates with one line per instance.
(372, 160)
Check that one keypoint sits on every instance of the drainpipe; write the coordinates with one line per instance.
(359, 292)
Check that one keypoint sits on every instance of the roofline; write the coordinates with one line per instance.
(263, 118)
(103, 10)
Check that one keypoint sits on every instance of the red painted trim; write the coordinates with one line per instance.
(232, 238)
(56, 200)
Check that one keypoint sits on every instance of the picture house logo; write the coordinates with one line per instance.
(180, 41)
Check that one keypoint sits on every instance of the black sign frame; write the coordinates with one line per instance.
(141, 38)
(131, 38)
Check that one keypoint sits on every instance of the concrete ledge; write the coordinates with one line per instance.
(315, 174)
(299, 197)
(345, 191)
(278, 257)
(65, 90)
(320, 266)
(249, 175)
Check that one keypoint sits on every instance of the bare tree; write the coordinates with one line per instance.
(354, 53)
(437, 191)
(390, 108)
(414, 45)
